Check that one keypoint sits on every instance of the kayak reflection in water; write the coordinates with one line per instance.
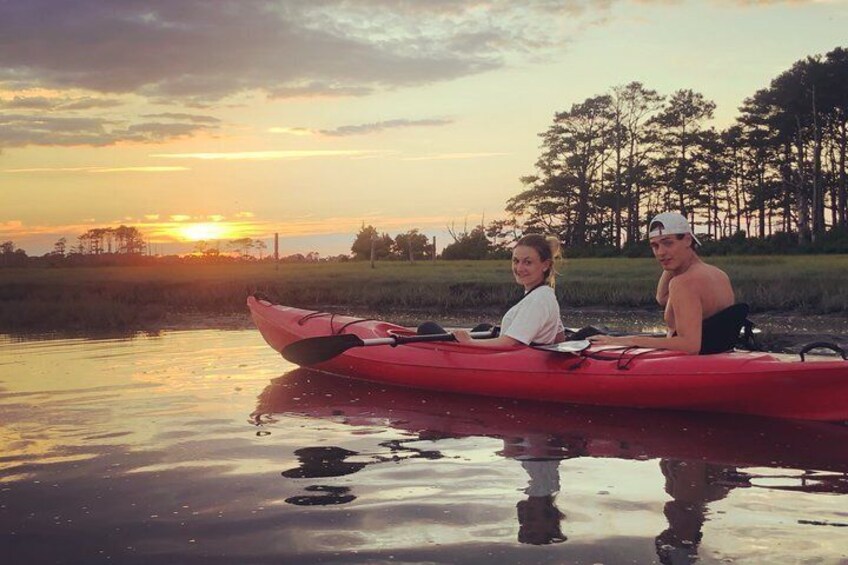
(700, 453)
(691, 291)
(536, 318)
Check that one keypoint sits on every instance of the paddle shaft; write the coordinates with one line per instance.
(314, 350)
(403, 339)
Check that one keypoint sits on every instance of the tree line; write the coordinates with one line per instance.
(610, 162)
(477, 243)
(123, 240)
(773, 181)
(126, 245)
(411, 245)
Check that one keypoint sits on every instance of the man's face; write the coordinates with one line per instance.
(670, 250)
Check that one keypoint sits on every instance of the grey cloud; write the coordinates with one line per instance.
(380, 126)
(29, 103)
(91, 104)
(206, 51)
(319, 89)
(43, 103)
(764, 2)
(155, 131)
(19, 130)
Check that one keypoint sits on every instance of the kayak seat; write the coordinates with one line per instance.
(720, 332)
(430, 328)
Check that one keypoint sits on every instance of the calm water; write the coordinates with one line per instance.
(206, 447)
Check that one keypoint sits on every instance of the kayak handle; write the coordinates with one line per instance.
(823, 345)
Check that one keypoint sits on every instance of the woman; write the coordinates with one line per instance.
(536, 317)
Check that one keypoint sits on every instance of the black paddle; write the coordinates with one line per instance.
(314, 350)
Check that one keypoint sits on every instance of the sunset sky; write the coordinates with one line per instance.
(214, 119)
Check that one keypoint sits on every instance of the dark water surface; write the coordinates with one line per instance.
(206, 447)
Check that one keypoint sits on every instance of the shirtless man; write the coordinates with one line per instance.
(690, 290)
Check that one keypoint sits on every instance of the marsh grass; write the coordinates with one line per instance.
(127, 298)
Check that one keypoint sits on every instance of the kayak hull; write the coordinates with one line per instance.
(735, 382)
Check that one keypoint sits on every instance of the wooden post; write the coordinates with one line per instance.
(276, 251)
(434, 248)
(373, 245)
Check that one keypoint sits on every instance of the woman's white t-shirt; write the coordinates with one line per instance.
(535, 319)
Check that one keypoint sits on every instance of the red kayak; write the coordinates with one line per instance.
(737, 382)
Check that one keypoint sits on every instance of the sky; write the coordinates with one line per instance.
(218, 119)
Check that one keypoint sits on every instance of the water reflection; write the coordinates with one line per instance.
(140, 451)
(691, 485)
(699, 455)
(331, 461)
(539, 518)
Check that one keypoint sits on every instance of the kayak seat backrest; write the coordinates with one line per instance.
(720, 332)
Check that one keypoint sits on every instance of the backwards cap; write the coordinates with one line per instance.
(670, 223)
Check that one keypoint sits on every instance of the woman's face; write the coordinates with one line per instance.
(528, 267)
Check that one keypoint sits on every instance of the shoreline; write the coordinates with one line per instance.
(618, 293)
(783, 331)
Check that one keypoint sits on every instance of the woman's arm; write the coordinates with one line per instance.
(688, 317)
(464, 337)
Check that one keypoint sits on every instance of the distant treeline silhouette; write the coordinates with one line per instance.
(126, 246)
(610, 162)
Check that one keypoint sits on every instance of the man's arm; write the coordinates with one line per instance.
(662, 287)
(687, 308)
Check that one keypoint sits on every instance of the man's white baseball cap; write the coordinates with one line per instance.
(670, 223)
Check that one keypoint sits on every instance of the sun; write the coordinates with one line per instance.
(203, 232)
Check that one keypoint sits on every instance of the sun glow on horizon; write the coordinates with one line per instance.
(205, 231)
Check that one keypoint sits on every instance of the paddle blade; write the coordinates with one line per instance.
(317, 349)
(566, 346)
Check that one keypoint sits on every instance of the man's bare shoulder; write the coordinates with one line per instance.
(684, 283)
(714, 272)
(701, 271)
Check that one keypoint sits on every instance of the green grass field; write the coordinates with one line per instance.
(128, 298)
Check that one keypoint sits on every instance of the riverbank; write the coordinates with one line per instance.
(130, 299)
(778, 332)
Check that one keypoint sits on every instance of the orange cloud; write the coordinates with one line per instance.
(99, 170)
(264, 155)
(292, 131)
(449, 156)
